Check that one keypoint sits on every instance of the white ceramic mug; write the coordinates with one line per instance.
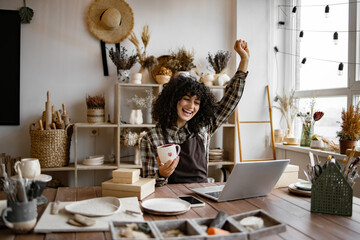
(168, 152)
(30, 167)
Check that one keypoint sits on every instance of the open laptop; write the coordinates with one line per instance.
(247, 179)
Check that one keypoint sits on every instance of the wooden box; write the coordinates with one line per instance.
(125, 173)
(290, 175)
(139, 189)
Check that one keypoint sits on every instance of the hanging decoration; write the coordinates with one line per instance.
(335, 35)
(26, 13)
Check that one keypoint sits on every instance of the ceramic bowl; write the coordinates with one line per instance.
(162, 79)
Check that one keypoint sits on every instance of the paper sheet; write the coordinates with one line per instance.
(57, 223)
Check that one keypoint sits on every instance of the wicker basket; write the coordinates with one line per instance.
(51, 147)
(331, 193)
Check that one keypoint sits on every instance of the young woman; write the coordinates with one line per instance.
(187, 114)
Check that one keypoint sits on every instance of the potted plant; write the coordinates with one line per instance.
(95, 108)
(163, 76)
(146, 62)
(219, 62)
(137, 104)
(123, 63)
(350, 128)
(182, 62)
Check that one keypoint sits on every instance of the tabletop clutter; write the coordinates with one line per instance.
(23, 191)
(330, 185)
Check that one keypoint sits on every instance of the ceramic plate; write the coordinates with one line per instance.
(166, 206)
(303, 186)
(95, 207)
(297, 191)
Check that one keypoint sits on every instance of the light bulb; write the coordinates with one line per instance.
(340, 69)
(327, 10)
(301, 35)
(303, 61)
(294, 10)
(336, 38)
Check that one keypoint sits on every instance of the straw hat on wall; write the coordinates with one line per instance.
(110, 20)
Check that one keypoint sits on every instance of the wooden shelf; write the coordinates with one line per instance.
(213, 163)
(95, 125)
(105, 166)
(71, 167)
(137, 125)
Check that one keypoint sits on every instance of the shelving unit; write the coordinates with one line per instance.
(228, 134)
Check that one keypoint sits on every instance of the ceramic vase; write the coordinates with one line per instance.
(220, 79)
(208, 80)
(136, 116)
(137, 158)
(136, 78)
(306, 134)
(145, 75)
(123, 76)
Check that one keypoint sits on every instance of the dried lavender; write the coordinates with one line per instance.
(219, 61)
(121, 59)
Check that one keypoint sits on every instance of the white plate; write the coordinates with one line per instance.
(92, 163)
(95, 207)
(297, 191)
(303, 185)
(166, 205)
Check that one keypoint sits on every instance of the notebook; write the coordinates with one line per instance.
(247, 179)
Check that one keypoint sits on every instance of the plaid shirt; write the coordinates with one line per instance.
(155, 138)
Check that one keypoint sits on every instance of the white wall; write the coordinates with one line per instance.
(59, 54)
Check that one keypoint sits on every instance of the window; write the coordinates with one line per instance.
(318, 78)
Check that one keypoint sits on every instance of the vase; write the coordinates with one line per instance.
(137, 157)
(136, 117)
(346, 144)
(145, 75)
(95, 115)
(208, 79)
(306, 134)
(123, 76)
(220, 79)
(148, 116)
(136, 78)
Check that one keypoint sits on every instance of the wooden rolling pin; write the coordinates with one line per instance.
(48, 107)
(59, 123)
(65, 116)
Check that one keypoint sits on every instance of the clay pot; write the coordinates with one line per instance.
(346, 144)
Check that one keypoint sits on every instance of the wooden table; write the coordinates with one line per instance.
(290, 209)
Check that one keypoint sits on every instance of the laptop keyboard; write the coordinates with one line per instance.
(214, 194)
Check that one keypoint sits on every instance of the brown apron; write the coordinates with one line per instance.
(192, 166)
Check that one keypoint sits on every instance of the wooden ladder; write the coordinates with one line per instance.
(271, 127)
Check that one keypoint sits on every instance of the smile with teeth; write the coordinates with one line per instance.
(187, 112)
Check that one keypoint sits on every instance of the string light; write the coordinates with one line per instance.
(294, 9)
(336, 38)
(327, 10)
(340, 69)
(301, 34)
(303, 61)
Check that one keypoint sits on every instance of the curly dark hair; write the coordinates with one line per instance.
(165, 111)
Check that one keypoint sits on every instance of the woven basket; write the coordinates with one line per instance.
(331, 193)
(51, 147)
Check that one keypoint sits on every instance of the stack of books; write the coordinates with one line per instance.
(128, 183)
(216, 155)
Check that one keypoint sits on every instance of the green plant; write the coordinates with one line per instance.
(182, 60)
(97, 101)
(219, 61)
(121, 59)
(350, 126)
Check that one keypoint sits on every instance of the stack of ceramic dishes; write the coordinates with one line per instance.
(301, 188)
(94, 160)
(165, 206)
(216, 154)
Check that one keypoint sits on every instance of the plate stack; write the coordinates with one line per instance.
(166, 206)
(94, 160)
(216, 155)
(301, 188)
